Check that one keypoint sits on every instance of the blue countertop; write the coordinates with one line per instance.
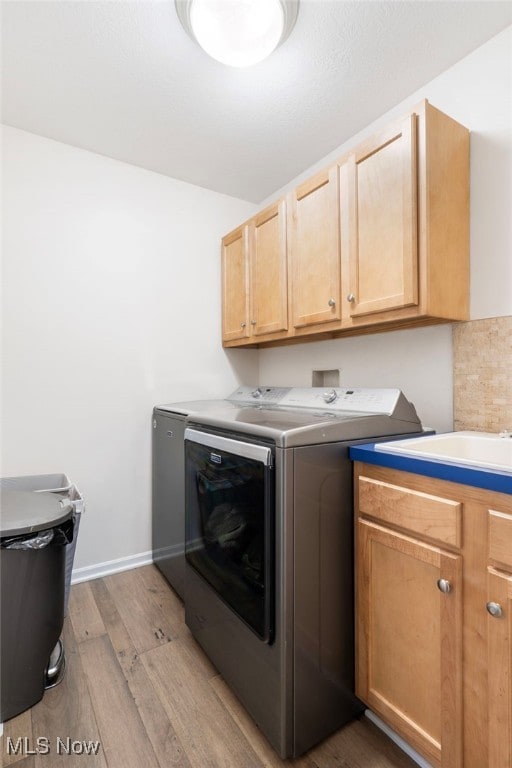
(488, 479)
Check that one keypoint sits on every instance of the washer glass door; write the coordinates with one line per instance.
(229, 538)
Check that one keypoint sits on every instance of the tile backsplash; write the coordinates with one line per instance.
(482, 374)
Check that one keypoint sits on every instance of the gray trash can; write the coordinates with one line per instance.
(59, 485)
(35, 529)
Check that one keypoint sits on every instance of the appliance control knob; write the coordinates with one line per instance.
(331, 396)
(257, 392)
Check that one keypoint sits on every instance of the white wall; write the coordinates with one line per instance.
(111, 304)
(418, 361)
(478, 93)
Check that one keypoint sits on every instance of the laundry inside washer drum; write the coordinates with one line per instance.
(226, 526)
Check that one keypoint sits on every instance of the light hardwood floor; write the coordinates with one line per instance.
(137, 682)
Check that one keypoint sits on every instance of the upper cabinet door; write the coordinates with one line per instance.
(315, 250)
(268, 271)
(235, 304)
(379, 222)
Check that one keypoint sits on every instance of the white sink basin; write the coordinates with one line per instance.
(476, 449)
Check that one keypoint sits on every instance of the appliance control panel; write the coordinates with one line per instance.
(340, 400)
(255, 395)
(326, 399)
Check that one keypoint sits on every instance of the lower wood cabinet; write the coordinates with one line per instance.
(409, 641)
(499, 636)
(434, 614)
(499, 661)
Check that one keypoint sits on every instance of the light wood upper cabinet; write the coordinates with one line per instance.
(404, 201)
(435, 665)
(235, 285)
(254, 278)
(379, 211)
(268, 271)
(315, 251)
(378, 240)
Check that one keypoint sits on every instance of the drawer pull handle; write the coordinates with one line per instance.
(494, 609)
(444, 586)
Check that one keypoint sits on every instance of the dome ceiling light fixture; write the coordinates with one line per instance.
(238, 33)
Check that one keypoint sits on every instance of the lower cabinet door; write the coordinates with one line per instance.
(409, 625)
(499, 664)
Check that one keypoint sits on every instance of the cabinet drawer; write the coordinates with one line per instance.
(500, 537)
(425, 515)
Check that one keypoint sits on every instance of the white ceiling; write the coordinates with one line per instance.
(123, 79)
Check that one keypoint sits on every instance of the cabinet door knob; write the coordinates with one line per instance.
(332, 302)
(242, 325)
(253, 322)
(494, 609)
(444, 586)
(351, 298)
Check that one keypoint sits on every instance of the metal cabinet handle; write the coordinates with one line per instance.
(242, 325)
(494, 609)
(444, 586)
(253, 322)
(351, 298)
(332, 302)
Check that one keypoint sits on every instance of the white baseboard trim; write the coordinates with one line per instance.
(404, 746)
(89, 572)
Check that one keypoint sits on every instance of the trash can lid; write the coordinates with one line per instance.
(28, 512)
